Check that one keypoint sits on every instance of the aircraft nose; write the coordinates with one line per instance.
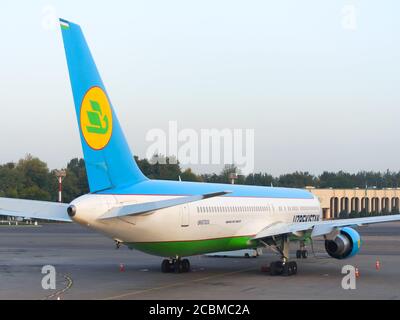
(71, 211)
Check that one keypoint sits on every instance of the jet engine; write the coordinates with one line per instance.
(344, 245)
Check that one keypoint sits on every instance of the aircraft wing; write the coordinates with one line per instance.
(34, 209)
(142, 208)
(320, 228)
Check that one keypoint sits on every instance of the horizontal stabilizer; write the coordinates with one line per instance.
(142, 208)
(34, 209)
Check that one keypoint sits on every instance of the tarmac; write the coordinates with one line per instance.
(88, 266)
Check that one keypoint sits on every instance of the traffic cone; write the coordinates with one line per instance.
(378, 265)
(122, 267)
(357, 273)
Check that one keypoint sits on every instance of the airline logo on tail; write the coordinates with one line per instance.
(96, 118)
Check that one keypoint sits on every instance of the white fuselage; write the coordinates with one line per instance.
(207, 219)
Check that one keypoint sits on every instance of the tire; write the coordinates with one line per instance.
(246, 255)
(185, 265)
(165, 266)
(178, 266)
(287, 269)
(276, 268)
(290, 269)
(304, 254)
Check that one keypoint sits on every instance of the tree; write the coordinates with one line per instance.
(260, 179)
(11, 180)
(336, 180)
(296, 180)
(28, 179)
(227, 172)
(144, 165)
(188, 175)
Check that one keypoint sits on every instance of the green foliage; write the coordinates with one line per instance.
(28, 179)
(11, 180)
(75, 182)
(34, 192)
(160, 168)
(188, 175)
(260, 179)
(354, 214)
(225, 176)
(336, 180)
(297, 180)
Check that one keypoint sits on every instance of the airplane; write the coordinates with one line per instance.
(177, 219)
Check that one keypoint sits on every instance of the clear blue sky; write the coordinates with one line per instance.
(318, 95)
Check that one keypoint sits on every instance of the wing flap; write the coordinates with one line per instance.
(34, 209)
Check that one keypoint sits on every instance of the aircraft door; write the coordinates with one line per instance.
(185, 217)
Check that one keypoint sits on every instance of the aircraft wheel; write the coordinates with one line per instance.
(290, 268)
(166, 266)
(178, 266)
(276, 268)
(185, 265)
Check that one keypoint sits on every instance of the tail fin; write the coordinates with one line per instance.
(109, 162)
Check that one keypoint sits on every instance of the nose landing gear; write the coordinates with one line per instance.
(117, 244)
(175, 265)
(278, 268)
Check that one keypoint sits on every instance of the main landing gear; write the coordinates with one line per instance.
(282, 267)
(175, 265)
(302, 253)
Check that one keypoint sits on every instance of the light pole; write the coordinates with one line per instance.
(60, 174)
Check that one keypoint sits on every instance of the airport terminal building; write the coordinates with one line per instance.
(345, 201)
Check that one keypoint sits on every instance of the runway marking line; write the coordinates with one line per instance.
(176, 284)
(65, 289)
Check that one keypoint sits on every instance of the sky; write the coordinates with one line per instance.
(317, 81)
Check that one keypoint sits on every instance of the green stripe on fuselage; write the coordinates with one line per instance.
(195, 247)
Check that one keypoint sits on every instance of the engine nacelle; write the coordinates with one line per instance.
(345, 245)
